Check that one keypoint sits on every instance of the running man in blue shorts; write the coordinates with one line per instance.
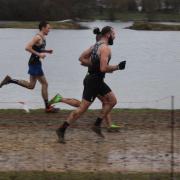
(38, 52)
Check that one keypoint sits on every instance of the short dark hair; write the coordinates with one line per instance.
(105, 30)
(42, 24)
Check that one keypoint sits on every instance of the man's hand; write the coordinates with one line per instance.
(50, 51)
(122, 65)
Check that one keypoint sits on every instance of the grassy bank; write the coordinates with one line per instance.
(136, 16)
(115, 110)
(34, 25)
(83, 176)
(154, 26)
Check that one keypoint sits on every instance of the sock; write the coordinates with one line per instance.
(14, 81)
(98, 122)
(46, 103)
(64, 126)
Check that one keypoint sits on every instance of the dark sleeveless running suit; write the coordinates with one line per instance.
(94, 84)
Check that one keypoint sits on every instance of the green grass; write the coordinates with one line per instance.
(36, 111)
(34, 25)
(83, 176)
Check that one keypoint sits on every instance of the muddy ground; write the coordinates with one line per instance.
(143, 144)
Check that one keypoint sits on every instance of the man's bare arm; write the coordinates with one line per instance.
(104, 67)
(85, 57)
(29, 48)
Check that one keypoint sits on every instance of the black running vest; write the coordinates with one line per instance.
(34, 59)
(94, 69)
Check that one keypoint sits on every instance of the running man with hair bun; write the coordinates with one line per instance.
(38, 52)
(97, 59)
(111, 127)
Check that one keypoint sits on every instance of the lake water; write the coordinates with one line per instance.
(152, 73)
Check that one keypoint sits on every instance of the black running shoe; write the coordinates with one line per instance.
(60, 134)
(97, 130)
(5, 81)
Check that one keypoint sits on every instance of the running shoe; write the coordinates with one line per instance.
(113, 128)
(51, 109)
(60, 134)
(57, 98)
(97, 130)
(5, 81)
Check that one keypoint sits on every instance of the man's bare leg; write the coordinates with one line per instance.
(73, 116)
(44, 89)
(72, 102)
(69, 101)
(26, 84)
(109, 102)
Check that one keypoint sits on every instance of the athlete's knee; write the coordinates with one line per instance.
(31, 86)
(80, 110)
(113, 102)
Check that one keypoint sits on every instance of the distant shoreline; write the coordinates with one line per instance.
(139, 25)
(149, 26)
(34, 24)
(138, 16)
(117, 16)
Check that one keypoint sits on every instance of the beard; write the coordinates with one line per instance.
(110, 41)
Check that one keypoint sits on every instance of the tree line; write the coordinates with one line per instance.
(84, 9)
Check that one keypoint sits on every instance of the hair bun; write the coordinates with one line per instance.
(96, 31)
